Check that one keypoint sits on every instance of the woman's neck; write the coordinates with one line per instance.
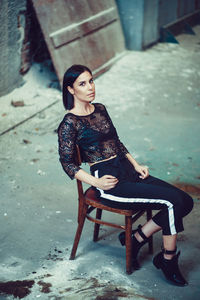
(82, 108)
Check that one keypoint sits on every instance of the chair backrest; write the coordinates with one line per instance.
(81, 198)
(78, 156)
(79, 162)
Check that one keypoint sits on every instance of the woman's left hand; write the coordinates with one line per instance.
(143, 170)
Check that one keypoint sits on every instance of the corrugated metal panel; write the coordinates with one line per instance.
(167, 12)
(185, 7)
(81, 31)
(172, 10)
(197, 4)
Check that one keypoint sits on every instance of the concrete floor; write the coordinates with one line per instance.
(154, 100)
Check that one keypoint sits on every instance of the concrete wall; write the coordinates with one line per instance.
(150, 25)
(139, 22)
(131, 15)
(142, 19)
(12, 16)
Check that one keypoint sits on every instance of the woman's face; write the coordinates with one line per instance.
(83, 88)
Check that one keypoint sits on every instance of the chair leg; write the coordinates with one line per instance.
(96, 225)
(78, 232)
(149, 217)
(128, 221)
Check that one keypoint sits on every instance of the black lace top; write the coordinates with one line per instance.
(95, 135)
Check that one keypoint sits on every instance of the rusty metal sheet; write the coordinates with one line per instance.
(197, 4)
(167, 12)
(185, 7)
(80, 32)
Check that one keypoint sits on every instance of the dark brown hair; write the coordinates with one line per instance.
(69, 78)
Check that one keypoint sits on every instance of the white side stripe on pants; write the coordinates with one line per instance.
(142, 200)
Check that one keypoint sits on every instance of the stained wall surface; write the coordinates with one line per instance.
(11, 39)
(140, 19)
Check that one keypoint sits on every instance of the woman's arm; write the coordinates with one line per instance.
(67, 146)
(105, 182)
(143, 170)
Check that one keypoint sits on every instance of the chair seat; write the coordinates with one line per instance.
(93, 200)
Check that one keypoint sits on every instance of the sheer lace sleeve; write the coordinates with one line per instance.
(120, 144)
(67, 143)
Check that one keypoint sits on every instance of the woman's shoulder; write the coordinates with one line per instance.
(100, 106)
(69, 117)
(68, 120)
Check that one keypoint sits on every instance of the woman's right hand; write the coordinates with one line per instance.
(107, 182)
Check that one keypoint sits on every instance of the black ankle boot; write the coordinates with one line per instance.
(135, 244)
(170, 267)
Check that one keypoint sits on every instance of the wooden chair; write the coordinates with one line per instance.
(89, 202)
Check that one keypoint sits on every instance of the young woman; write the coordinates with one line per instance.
(119, 179)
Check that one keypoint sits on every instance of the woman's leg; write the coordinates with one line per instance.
(155, 194)
(187, 201)
(169, 243)
(167, 259)
(142, 195)
(148, 229)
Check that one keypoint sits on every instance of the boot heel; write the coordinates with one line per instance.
(156, 262)
(136, 245)
(122, 238)
(170, 267)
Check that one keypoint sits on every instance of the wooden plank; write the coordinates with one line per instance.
(80, 32)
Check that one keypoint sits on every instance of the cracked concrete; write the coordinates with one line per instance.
(154, 100)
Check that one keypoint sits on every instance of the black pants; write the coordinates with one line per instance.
(132, 192)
